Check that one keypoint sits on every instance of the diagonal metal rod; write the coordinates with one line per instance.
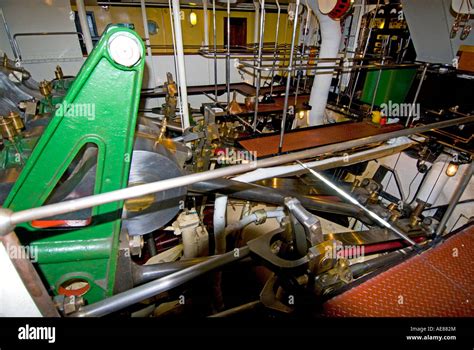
(9, 219)
(354, 201)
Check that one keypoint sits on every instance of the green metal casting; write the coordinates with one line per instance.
(100, 108)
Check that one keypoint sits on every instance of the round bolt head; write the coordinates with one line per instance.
(125, 49)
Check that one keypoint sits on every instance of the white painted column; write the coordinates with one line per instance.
(206, 23)
(81, 11)
(180, 60)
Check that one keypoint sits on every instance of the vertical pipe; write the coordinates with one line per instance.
(330, 42)
(219, 223)
(214, 28)
(423, 74)
(81, 11)
(288, 80)
(206, 24)
(377, 83)
(227, 58)
(147, 42)
(455, 198)
(13, 43)
(256, 17)
(259, 62)
(276, 46)
(369, 23)
(181, 69)
(305, 38)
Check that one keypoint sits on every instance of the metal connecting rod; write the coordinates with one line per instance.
(9, 219)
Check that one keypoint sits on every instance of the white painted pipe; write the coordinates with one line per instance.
(330, 43)
(149, 53)
(206, 23)
(256, 22)
(180, 61)
(435, 181)
(288, 170)
(81, 12)
(219, 223)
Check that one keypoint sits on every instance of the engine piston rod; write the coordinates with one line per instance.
(8, 218)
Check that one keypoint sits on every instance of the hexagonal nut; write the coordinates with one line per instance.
(136, 244)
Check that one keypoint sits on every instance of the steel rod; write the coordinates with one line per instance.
(150, 289)
(305, 38)
(215, 46)
(227, 59)
(259, 62)
(288, 78)
(276, 46)
(418, 89)
(8, 219)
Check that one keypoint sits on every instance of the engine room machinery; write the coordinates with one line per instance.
(124, 211)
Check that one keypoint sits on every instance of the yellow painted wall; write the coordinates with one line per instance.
(191, 35)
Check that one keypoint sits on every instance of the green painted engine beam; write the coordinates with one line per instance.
(100, 108)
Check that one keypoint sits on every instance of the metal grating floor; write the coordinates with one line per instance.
(437, 283)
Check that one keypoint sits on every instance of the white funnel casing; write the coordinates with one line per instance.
(330, 43)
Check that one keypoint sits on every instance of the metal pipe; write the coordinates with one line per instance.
(219, 223)
(377, 83)
(418, 89)
(215, 47)
(351, 199)
(363, 54)
(9, 218)
(455, 198)
(145, 273)
(150, 289)
(288, 78)
(305, 36)
(262, 194)
(206, 23)
(81, 11)
(256, 16)
(149, 53)
(227, 59)
(30, 277)
(181, 68)
(13, 43)
(236, 310)
(259, 62)
(175, 61)
(276, 45)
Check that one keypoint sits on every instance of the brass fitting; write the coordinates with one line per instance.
(45, 88)
(16, 121)
(7, 129)
(58, 73)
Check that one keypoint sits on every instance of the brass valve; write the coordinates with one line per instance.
(16, 121)
(45, 88)
(58, 73)
(7, 129)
